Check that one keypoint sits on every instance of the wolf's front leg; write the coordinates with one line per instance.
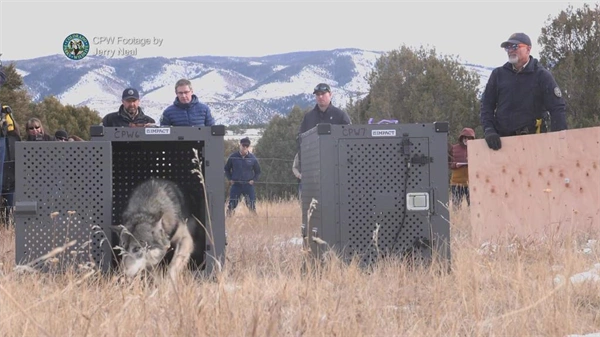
(184, 246)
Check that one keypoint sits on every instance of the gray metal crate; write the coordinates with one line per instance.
(381, 190)
(94, 179)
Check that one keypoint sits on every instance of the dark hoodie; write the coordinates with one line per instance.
(458, 154)
(122, 118)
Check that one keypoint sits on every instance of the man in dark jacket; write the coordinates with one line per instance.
(186, 110)
(129, 114)
(242, 170)
(518, 94)
(324, 111)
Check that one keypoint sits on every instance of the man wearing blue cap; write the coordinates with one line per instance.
(129, 114)
(519, 96)
(242, 170)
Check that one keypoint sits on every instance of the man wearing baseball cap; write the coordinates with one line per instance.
(242, 170)
(519, 95)
(130, 114)
(324, 111)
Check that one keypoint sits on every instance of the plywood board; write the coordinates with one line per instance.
(535, 185)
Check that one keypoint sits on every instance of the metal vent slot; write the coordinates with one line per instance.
(374, 178)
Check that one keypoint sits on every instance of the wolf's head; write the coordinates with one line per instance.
(145, 244)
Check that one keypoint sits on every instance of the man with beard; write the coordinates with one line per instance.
(129, 114)
(519, 95)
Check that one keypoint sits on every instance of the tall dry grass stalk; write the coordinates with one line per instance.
(501, 291)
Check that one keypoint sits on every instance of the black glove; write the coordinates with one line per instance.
(493, 141)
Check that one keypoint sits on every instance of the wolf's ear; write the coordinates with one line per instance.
(158, 225)
(117, 229)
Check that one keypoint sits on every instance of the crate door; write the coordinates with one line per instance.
(63, 198)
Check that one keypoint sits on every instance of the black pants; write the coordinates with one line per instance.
(458, 193)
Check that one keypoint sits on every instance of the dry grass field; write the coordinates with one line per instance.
(493, 291)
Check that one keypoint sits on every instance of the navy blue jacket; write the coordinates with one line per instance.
(194, 113)
(512, 101)
(242, 169)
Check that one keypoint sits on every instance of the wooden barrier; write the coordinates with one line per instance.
(535, 186)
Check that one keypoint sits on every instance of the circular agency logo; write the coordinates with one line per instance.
(76, 46)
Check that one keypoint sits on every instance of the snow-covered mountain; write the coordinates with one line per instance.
(239, 90)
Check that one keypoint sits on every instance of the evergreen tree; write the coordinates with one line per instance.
(14, 94)
(571, 51)
(53, 114)
(74, 120)
(275, 151)
(418, 86)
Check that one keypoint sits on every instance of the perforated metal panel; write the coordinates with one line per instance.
(139, 154)
(94, 180)
(136, 162)
(63, 193)
(374, 178)
(363, 174)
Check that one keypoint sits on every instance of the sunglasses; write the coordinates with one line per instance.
(515, 46)
(33, 127)
(61, 138)
(245, 145)
(321, 88)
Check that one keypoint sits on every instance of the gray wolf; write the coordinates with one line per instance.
(154, 220)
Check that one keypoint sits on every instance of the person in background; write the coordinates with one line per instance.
(5, 111)
(242, 170)
(296, 171)
(518, 94)
(186, 110)
(130, 113)
(458, 161)
(61, 136)
(9, 135)
(324, 111)
(35, 130)
(2, 74)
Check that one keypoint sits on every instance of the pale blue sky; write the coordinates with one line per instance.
(471, 30)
